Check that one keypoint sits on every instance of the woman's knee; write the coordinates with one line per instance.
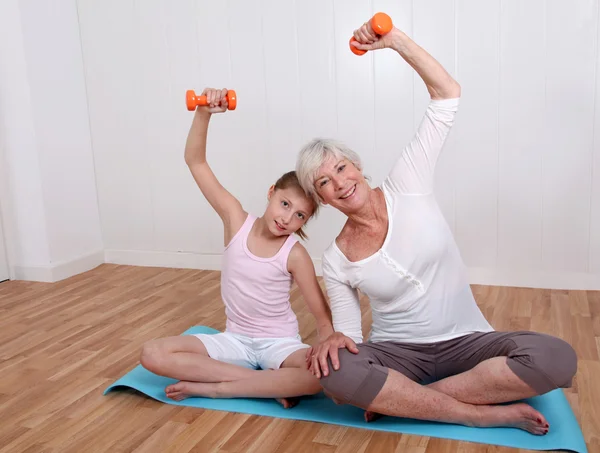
(545, 362)
(561, 362)
(357, 381)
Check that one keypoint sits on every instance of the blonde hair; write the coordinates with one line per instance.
(311, 157)
(290, 180)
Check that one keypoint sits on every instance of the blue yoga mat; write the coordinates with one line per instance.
(565, 433)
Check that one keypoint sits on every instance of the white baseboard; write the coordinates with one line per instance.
(32, 273)
(183, 260)
(534, 279)
(186, 260)
(60, 270)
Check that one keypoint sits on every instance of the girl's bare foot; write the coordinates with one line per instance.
(184, 389)
(518, 415)
(288, 403)
(372, 416)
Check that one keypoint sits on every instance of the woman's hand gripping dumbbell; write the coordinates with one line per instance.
(217, 100)
(371, 35)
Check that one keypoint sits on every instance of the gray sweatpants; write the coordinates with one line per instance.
(542, 361)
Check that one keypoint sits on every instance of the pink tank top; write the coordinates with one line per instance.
(255, 290)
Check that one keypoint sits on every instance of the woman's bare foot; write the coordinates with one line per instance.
(185, 389)
(518, 415)
(288, 403)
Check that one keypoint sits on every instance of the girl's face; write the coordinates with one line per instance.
(288, 210)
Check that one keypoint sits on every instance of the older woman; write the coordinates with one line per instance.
(431, 354)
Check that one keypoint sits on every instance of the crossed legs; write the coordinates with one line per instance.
(472, 375)
(185, 358)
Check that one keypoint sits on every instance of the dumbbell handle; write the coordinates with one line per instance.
(381, 24)
(192, 100)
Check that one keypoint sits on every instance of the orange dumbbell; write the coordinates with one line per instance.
(381, 24)
(192, 101)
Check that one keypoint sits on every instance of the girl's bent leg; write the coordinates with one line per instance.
(282, 384)
(278, 384)
(186, 358)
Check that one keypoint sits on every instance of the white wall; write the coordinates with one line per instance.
(49, 199)
(519, 181)
(4, 270)
(23, 195)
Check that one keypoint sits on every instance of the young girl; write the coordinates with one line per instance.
(261, 259)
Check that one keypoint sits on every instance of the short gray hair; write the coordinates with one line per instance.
(313, 154)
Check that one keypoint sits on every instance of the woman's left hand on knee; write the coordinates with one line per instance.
(317, 355)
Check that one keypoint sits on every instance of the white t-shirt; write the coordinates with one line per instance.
(416, 282)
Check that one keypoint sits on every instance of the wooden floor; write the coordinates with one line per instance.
(62, 344)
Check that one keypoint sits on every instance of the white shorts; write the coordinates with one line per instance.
(255, 353)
